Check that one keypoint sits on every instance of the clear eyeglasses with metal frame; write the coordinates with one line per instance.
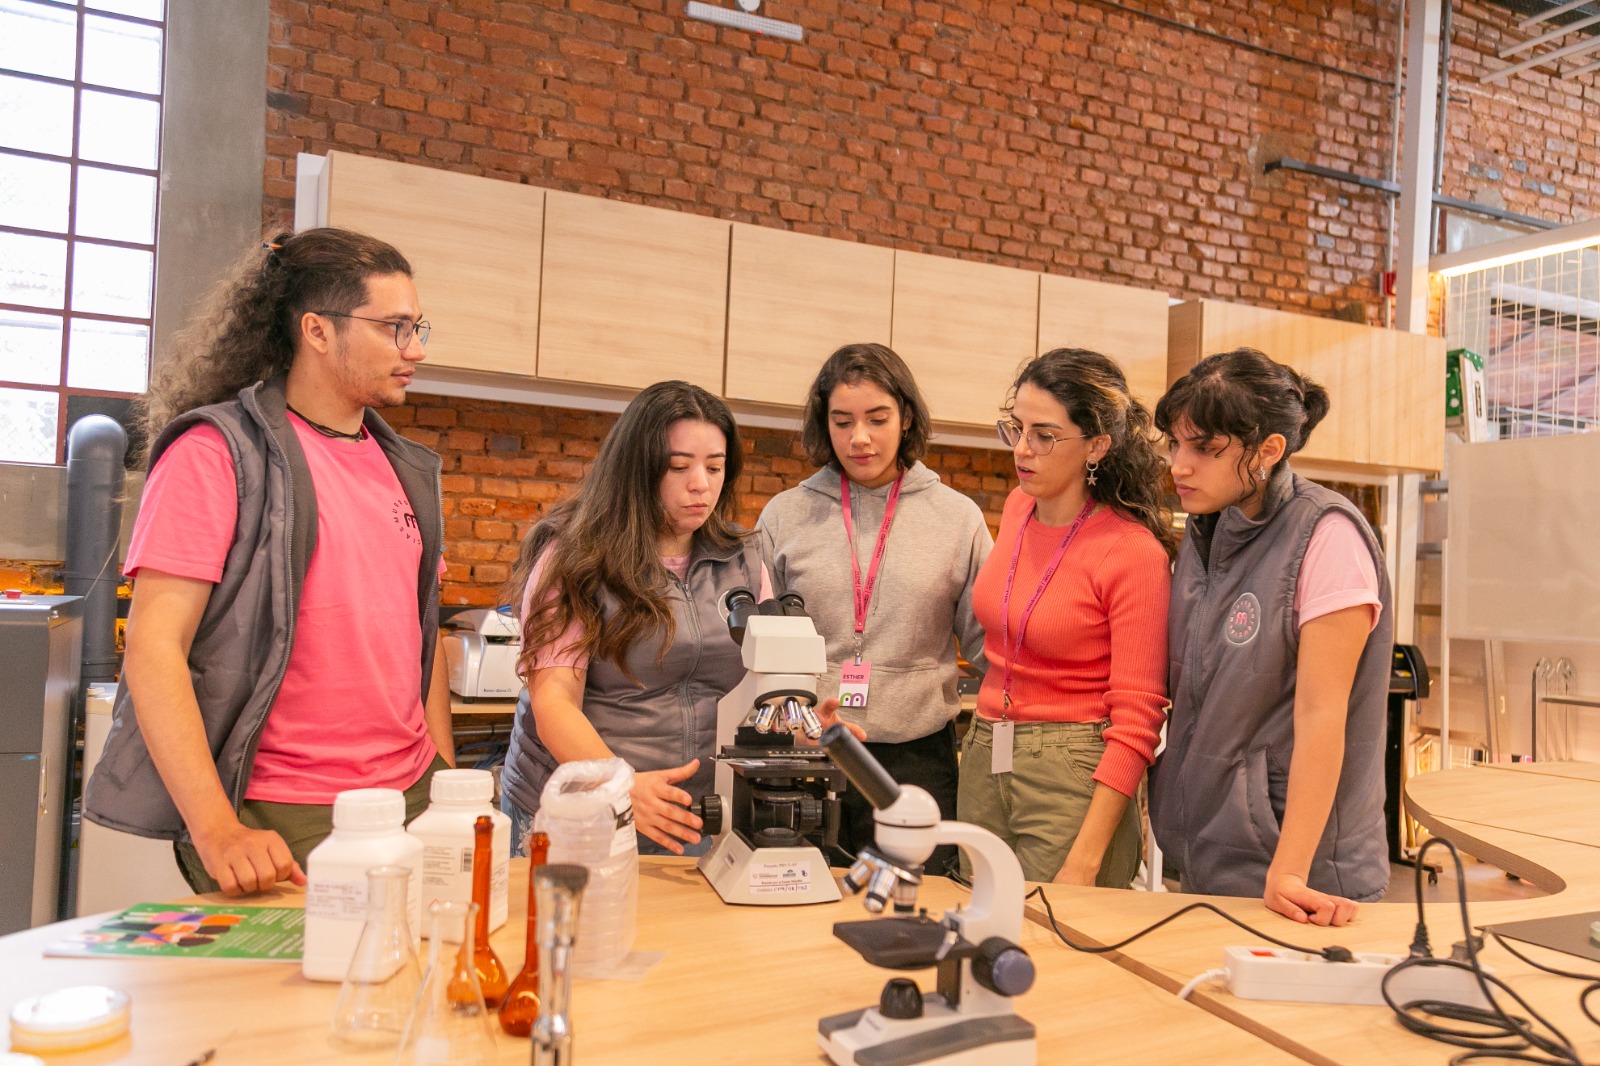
(1040, 441)
(403, 327)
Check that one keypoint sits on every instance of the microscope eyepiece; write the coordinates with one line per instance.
(740, 604)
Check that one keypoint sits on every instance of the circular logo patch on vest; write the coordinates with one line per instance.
(1244, 619)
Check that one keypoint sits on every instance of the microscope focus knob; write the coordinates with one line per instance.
(709, 810)
(1002, 967)
(901, 999)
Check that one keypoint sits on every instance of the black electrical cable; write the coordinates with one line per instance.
(1332, 954)
(1495, 1033)
(1583, 997)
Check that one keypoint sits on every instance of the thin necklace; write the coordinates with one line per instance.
(359, 434)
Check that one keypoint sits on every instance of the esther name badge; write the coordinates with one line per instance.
(853, 681)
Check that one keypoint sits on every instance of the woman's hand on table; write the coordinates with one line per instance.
(661, 809)
(243, 860)
(1290, 896)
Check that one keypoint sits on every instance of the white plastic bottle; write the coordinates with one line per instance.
(457, 798)
(368, 831)
(587, 810)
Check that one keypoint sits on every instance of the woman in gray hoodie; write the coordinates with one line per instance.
(884, 555)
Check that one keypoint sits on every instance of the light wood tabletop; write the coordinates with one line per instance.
(1536, 821)
(740, 985)
(734, 985)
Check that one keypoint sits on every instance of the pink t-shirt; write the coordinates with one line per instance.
(563, 651)
(349, 711)
(1336, 573)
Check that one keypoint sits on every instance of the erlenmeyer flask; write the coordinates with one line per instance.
(491, 971)
(521, 1005)
(384, 975)
(449, 1023)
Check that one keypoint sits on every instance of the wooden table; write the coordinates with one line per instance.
(1536, 820)
(740, 985)
(735, 985)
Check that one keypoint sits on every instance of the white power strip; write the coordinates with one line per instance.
(1277, 973)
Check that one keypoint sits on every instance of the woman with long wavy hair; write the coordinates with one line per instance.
(1073, 602)
(624, 645)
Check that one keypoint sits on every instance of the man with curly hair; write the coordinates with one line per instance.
(282, 642)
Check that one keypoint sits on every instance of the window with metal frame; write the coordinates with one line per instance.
(80, 154)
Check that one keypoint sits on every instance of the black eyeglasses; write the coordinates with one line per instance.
(1040, 441)
(403, 328)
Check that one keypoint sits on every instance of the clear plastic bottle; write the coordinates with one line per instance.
(368, 831)
(587, 811)
(381, 986)
(456, 799)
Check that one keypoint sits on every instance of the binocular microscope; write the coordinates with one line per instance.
(782, 805)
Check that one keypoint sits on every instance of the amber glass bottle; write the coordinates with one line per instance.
(491, 974)
(521, 1005)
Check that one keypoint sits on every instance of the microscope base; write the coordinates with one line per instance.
(941, 1037)
(767, 876)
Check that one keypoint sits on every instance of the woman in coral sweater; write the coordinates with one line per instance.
(1073, 601)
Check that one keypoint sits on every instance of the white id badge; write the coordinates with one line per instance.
(853, 681)
(1005, 739)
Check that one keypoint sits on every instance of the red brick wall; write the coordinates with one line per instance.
(506, 464)
(1118, 141)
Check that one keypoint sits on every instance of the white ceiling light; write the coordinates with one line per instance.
(744, 20)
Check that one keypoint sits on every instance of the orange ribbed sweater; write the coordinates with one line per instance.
(1096, 646)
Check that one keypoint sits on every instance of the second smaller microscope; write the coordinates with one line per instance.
(968, 1019)
(776, 804)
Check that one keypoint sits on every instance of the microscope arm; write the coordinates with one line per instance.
(997, 885)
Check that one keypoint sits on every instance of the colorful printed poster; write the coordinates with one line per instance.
(171, 931)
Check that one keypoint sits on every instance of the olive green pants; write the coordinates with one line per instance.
(1038, 807)
(301, 825)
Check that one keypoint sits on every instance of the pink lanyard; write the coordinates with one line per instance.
(1033, 601)
(863, 593)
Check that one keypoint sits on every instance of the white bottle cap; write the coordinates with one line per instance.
(462, 786)
(369, 808)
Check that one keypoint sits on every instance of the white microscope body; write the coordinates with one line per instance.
(772, 865)
(970, 1020)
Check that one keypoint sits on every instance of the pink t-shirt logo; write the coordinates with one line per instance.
(406, 520)
(1244, 619)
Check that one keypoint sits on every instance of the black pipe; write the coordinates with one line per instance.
(1393, 189)
(95, 449)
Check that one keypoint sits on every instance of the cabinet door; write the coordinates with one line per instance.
(794, 299)
(1128, 325)
(965, 329)
(632, 294)
(473, 244)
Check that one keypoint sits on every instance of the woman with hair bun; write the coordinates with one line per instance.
(1073, 602)
(1272, 780)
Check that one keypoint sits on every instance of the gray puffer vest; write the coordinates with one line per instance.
(1217, 793)
(241, 648)
(669, 715)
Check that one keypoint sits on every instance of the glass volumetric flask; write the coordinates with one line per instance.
(449, 1023)
(491, 972)
(384, 975)
(521, 1005)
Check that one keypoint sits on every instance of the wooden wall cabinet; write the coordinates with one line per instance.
(1128, 325)
(473, 244)
(1386, 388)
(793, 300)
(964, 328)
(632, 295)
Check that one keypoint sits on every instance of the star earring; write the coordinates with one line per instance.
(1094, 464)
